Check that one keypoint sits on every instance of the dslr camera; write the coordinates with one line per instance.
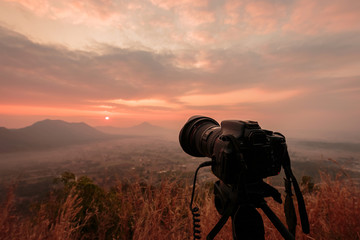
(236, 147)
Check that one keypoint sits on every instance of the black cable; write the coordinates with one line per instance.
(195, 210)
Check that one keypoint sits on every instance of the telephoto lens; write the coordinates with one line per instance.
(198, 136)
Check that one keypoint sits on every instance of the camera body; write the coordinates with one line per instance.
(236, 147)
(259, 149)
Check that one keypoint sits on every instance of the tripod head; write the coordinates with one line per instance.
(240, 205)
(253, 194)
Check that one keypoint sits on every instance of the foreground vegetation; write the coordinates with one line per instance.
(77, 208)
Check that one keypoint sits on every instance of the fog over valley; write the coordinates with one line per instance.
(33, 156)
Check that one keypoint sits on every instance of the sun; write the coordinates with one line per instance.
(107, 118)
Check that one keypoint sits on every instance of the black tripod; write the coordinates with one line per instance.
(240, 203)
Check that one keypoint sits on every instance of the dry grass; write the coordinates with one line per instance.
(42, 225)
(142, 211)
(334, 210)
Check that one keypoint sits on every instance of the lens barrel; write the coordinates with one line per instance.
(198, 136)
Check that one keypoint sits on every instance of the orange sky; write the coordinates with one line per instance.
(294, 66)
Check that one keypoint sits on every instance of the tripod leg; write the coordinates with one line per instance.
(247, 224)
(227, 213)
(277, 223)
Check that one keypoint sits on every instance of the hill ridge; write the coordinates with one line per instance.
(48, 133)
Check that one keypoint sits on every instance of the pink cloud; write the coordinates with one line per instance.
(39, 7)
(195, 17)
(264, 16)
(190, 13)
(202, 37)
(232, 12)
(255, 16)
(88, 12)
(49, 110)
(312, 17)
(252, 95)
(202, 60)
(161, 22)
(169, 4)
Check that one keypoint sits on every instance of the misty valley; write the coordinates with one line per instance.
(41, 152)
(61, 180)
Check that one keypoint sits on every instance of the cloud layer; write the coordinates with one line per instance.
(292, 64)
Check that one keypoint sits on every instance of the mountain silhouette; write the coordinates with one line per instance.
(48, 133)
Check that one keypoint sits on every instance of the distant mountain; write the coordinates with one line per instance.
(48, 133)
(143, 129)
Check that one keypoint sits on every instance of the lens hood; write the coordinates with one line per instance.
(188, 132)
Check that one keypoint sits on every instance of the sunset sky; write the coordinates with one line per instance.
(292, 65)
